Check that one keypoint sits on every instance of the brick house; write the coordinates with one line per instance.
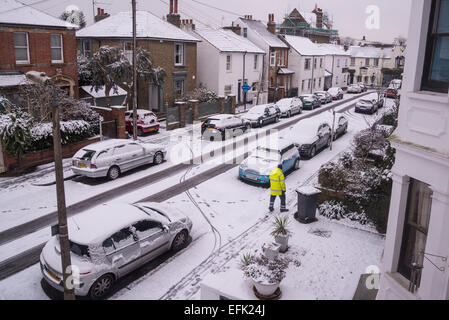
(35, 41)
(170, 48)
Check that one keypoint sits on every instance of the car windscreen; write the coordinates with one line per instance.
(366, 101)
(85, 154)
(79, 249)
(256, 110)
(214, 122)
(284, 103)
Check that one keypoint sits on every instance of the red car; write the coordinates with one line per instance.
(391, 93)
(146, 122)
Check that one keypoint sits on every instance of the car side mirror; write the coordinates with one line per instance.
(166, 228)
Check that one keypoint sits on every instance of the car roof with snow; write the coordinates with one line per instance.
(95, 225)
(101, 145)
(282, 143)
(260, 107)
(220, 117)
(140, 112)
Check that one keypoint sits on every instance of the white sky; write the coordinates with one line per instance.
(349, 15)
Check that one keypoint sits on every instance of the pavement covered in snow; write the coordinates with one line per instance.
(229, 218)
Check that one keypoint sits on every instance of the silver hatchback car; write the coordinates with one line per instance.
(110, 158)
(110, 241)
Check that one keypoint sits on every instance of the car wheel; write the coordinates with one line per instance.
(101, 287)
(139, 132)
(312, 152)
(297, 164)
(260, 124)
(113, 173)
(289, 114)
(329, 142)
(276, 120)
(158, 158)
(248, 127)
(180, 241)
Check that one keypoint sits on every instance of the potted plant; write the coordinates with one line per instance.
(281, 232)
(265, 274)
(271, 251)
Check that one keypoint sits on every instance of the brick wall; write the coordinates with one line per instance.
(111, 114)
(43, 157)
(40, 52)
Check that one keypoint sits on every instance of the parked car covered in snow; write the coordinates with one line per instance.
(340, 126)
(367, 106)
(396, 84)
(324, 97)
(336, 93)
(363, 86)
(264, 159)
(289, 106)
(110, 241)
(111, 158)
(262, 115)
(354, 88)
(312, 135)
(146, 122)
(391, 93)
(310, 101)
(224, 126)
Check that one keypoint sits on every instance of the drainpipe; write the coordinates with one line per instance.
(243, 79)
(313, 74)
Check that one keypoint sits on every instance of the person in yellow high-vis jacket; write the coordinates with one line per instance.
(277, 185)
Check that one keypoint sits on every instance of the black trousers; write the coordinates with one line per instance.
(283, 201)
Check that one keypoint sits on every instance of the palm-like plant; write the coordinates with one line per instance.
(280, 226)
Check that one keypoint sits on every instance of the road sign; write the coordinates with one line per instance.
(246, 87)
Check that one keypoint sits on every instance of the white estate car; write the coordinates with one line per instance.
(110, 158)
(354, 88)
(289, 106)
(111, 241)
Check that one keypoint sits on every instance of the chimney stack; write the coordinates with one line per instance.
(236, 29)
(271, 26)
(173, 17)
(187, 25)
(100, 15)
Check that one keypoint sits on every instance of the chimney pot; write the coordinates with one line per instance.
(171, 6)
(99, 11)
(191, 21)
(176, 6)
(102, 12)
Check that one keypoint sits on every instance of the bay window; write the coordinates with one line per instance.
(416, 226)
(436, 65)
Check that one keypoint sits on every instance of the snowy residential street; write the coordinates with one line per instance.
(225, 225)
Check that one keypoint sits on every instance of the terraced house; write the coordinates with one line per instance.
(32, 40)
(170, 48)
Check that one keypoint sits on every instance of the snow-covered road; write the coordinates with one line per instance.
(238, 213)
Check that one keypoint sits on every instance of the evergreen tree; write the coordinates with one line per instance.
(74, 16)
(109, 67)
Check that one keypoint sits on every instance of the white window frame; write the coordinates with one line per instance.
(83, 48)
(20, 47)
(128, 53)
(183, 90)
(182, 55)
(229, 63)
(228, 89)
(307, 63)
(61, 48)
(272, 58)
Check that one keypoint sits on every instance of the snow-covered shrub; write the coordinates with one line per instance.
(80, 110)
(265, 271)
(333, 176)
(84, 73)
(71, 132)
(5, 104)
(333, 210)
(201, 94)
(15, 133)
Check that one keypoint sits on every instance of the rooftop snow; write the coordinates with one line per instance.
(101, 92)
(228, 41)
(333, 50)
(12, 80)
(148, 27)
(14, 12)
(370, 52)
(261, 29)
(304, 46)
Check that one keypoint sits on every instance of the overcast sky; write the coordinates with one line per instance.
(349, 15)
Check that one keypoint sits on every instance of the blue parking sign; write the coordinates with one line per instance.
(246, 87)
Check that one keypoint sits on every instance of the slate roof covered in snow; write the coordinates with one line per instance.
(261, 29)
(12, 79)
(228, 41)
(304, 46)
(370, 52)
(149, 26)
(16, 13)
(333, 50)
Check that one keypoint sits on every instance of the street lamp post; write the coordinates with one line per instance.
(64, 243)
(134, 70)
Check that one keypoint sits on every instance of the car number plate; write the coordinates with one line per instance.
(251, 176)
(82, 165)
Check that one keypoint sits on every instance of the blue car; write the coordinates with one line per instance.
(263, 160)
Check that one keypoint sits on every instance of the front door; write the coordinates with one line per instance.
(239, 90)
(154, 96)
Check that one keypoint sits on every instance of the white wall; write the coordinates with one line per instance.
(297, 64)
(339, 78)
(207, 66)
(422, 152)
(232, 77)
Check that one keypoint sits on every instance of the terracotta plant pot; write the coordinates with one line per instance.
(283, 241)
(265, 289)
